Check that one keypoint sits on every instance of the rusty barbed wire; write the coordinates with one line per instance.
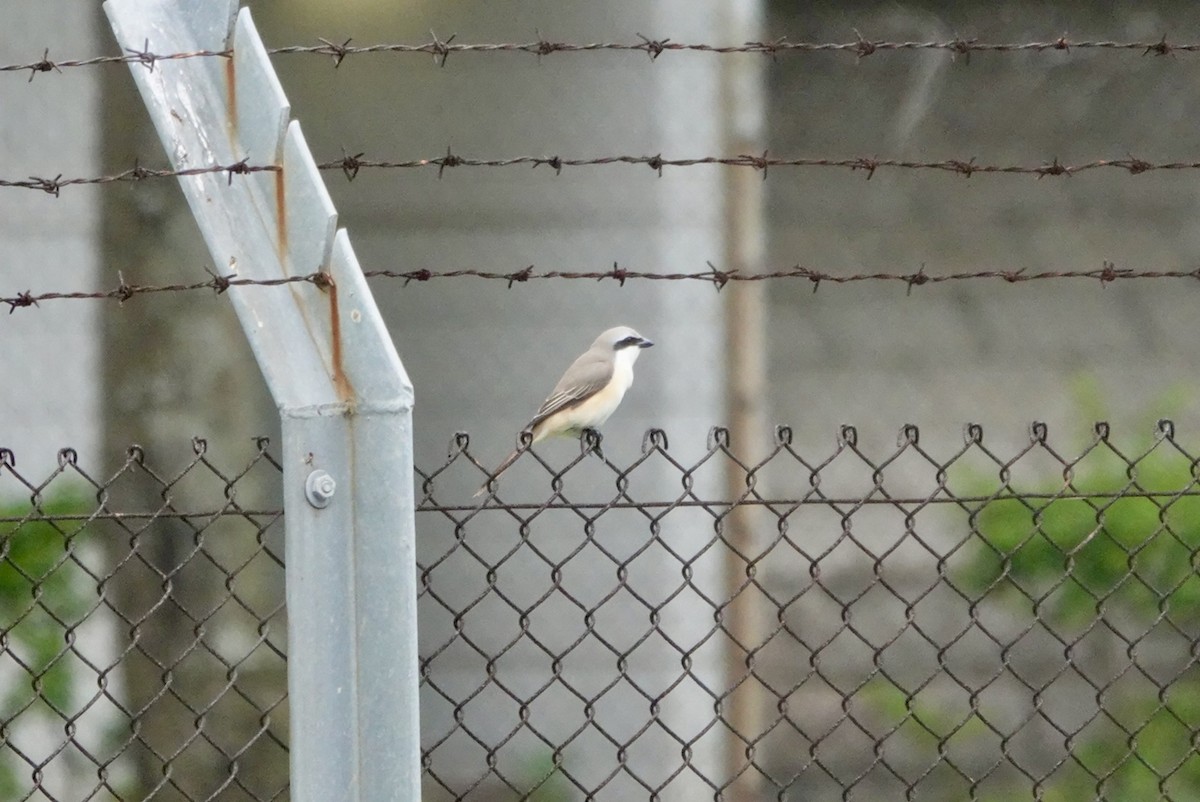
(860, 47)
(1107, 273)
(143, 56)
(440, 49)
(124, 291)
(350, 165)
(53, 186)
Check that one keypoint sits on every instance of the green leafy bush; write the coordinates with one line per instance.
(44, 594)
(1110, 547)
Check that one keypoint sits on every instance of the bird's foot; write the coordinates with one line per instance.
(589, 441)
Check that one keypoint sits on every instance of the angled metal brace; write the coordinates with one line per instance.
(343, 396)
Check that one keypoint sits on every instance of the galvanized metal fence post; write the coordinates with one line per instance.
(342, 393)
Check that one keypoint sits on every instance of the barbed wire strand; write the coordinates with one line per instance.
(440, 49)
(54, 186)
(351, 164)
(1107, 273)
(124, 291)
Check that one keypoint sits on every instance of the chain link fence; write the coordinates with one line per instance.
(144, 638)
(886, 624)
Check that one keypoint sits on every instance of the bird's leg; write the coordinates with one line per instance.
(589, 440)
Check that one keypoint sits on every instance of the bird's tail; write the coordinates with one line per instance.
(504, 466)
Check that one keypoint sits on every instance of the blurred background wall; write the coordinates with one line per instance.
(46, 129)
(989, 352)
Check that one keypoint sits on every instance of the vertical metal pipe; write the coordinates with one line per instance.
(351, 607)
(745, 356)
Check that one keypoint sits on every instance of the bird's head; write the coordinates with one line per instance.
(624, 343)
(622, 339)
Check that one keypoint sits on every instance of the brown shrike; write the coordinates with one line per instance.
(587, 394)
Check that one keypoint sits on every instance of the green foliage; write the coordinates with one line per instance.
(43, 594)
(545, 780)
(1078, 556)
(1075, 555)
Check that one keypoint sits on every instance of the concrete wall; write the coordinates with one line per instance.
(990, 352)
(49, 393)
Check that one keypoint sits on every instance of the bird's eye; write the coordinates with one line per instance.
(628, 341)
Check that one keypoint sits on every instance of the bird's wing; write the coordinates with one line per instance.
(587, 376)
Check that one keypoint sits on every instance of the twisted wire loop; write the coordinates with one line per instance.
(981, 616)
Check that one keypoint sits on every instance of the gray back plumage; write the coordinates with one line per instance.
(587, 375)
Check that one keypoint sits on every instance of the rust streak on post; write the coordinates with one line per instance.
(345, 390)
(281, 215)
(231, 93)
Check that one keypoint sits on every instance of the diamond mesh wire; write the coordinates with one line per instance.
(901, 623)
(143, 633)
(852, 625)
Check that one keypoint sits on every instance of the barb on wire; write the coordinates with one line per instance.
(1105, 274)
(350, 165)
(440, 49)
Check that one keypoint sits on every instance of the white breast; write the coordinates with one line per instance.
(597, 409)
(610, 397)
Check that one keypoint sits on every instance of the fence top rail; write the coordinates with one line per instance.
(1160, 468)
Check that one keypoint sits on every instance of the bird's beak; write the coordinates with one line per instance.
(645, 343)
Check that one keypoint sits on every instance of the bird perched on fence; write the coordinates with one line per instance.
(586, 395)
